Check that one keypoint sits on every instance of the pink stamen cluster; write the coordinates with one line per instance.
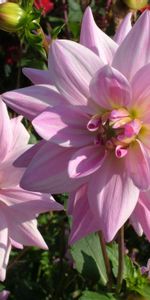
(115, 130)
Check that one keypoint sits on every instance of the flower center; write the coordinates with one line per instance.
(115, 130)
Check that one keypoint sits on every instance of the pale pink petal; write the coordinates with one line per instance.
(109, 88)
(95, 39)
(72, 66)
(123, 29)
(112, 196)
(141, 93)
(27, 204)
(15, 244)
(5, 131)
(70, 202)
(9, 175)
(26, 233)
(20, 134)
(37, 76)
(84, 221)
(63, 125)
(138, 165)
(47, 171)
(142, 213)
(32, 100)
(133, 52)
(4, 295)
(4, 245)
(24, 159)
(86, 160)
(136, 224)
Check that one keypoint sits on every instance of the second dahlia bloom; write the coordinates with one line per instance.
(18, 208)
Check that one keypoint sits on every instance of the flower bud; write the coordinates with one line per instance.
(12, 17)
(136, 4)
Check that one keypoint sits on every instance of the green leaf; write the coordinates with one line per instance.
(75, 12)
(75, 29)
(87, 295)
(129, 269)
(55, 32)
(112, 251)
(88, 257)
(55, 19)
(145, 292)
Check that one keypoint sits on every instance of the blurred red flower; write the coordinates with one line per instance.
(45, 5)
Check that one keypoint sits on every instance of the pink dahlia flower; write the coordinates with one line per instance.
(98, 133)
(18, 208)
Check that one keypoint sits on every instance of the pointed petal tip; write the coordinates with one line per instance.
(2, 274)
(44, 246)
(88, 12)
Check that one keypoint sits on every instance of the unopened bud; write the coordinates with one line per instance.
(136, 4)
(12, 17)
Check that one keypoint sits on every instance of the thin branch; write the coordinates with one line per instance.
(106, 260)
(121, 258)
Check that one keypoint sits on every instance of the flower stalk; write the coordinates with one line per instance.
(121, 258)
(106, 260)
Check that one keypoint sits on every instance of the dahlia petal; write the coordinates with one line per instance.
(133, 47)
(141, 93)
(15, 244)
(4, 246)
(142, 213)
(20, 134)
(32, 100)
(95, 39)
(109, 88)
(24, 159)
(37, 76)
(5, 127)
(112, 196)
(139, 172)
(27, 204)
(84, 221)
(26, 233)
(86, 160)
(47, 172)
(72, 66)
(63, 125)
(70, 202)
(10, 175)
(4, 295)
(123, 29)
(135, 223)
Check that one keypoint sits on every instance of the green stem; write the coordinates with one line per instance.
(106, 260)
(121, 259)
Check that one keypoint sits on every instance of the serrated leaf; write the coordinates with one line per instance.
(88, 257)
(87, 295)
(129, 269)
(112, 251)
